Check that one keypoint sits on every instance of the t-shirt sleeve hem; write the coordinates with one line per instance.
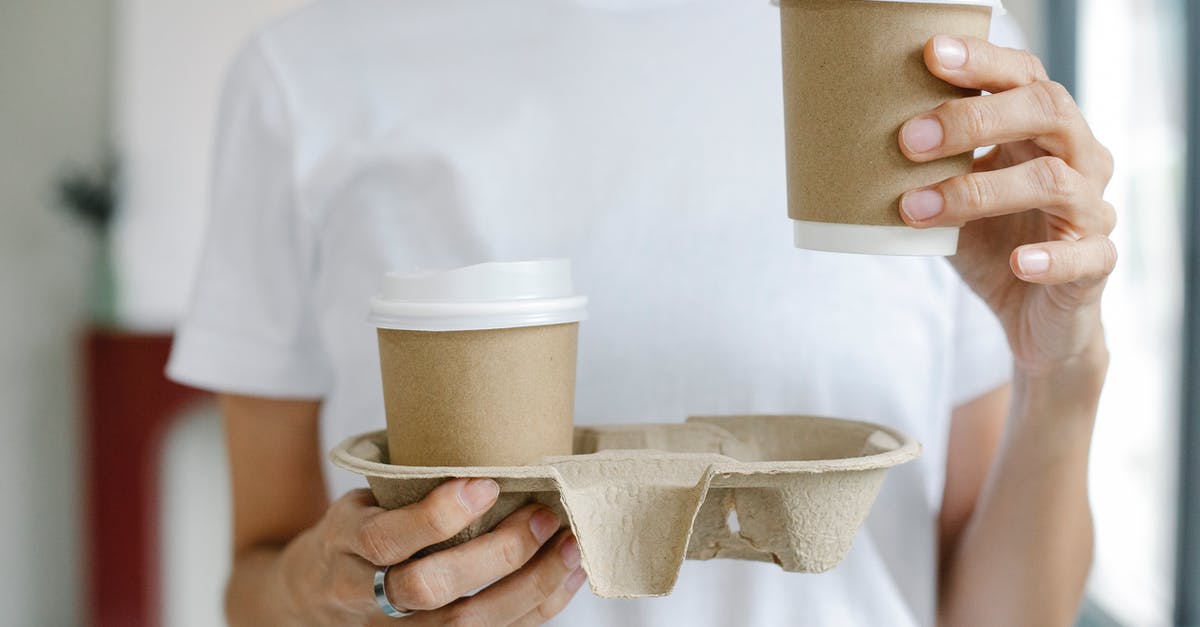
(220, 362)
(981, 387)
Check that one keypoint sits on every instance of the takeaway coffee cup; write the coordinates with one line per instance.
(478, 363)
(853, 73)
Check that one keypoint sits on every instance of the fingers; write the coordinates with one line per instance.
(1087, 261)
(1042, 112)
(977, 64)
(385, 537)
(1025, 105)
(523, 593)
(1047, 183)
(557, 601)
(441, 578)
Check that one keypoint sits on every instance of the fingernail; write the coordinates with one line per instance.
(950, 52)
(543, 524)
(478, 495)
(574, 580)
(922, 204)
(922, 134)
(570, 552)
(1033, 261)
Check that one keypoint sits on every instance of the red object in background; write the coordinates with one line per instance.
(129, 406)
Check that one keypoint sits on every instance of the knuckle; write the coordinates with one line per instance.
(438, 518)
(372, 545)
(1034, 70)
(1108, 217)
(545, 582)
(510, 550)
(416, 589)
(345, 505)
(358, 495)
(973, 120)
(1055, 178)
(337, 510)
(552, 606)
(1054, 101)
(1109, 250)
(973, 191)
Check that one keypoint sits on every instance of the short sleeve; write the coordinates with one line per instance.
(982, 359)
(250, 327)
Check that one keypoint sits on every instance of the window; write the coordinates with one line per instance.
(1131, 86)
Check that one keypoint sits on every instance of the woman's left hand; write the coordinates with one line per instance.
(1034, 241)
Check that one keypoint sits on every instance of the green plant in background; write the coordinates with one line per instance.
(90, 194)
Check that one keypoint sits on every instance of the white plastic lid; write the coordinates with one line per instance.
(492, 295)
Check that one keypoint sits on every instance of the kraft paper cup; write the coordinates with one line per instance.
(478, 363)
(853, 73)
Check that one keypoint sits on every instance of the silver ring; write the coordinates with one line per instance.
(382, 599)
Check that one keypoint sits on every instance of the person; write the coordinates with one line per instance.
(643, 140)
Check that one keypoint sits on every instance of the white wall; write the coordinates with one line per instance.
(57, 108)
(171, 57)
(53, 110)
(170, 61)
(196, 540)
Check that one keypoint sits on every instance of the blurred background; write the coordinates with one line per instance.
(90, 295)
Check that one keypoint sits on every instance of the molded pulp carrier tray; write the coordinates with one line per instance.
(640, 498)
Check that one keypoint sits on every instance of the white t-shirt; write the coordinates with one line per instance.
(643, 140)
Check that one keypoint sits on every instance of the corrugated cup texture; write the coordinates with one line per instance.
(852, 75)
(641, 498)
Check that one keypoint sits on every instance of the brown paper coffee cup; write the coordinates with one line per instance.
(853, 73)
(478, 363)
(495, 397)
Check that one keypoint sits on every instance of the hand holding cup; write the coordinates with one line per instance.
(529, 567)
(1035, 225)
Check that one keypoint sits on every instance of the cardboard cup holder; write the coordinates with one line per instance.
(792, 490)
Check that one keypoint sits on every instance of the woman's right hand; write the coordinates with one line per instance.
(529, 568)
